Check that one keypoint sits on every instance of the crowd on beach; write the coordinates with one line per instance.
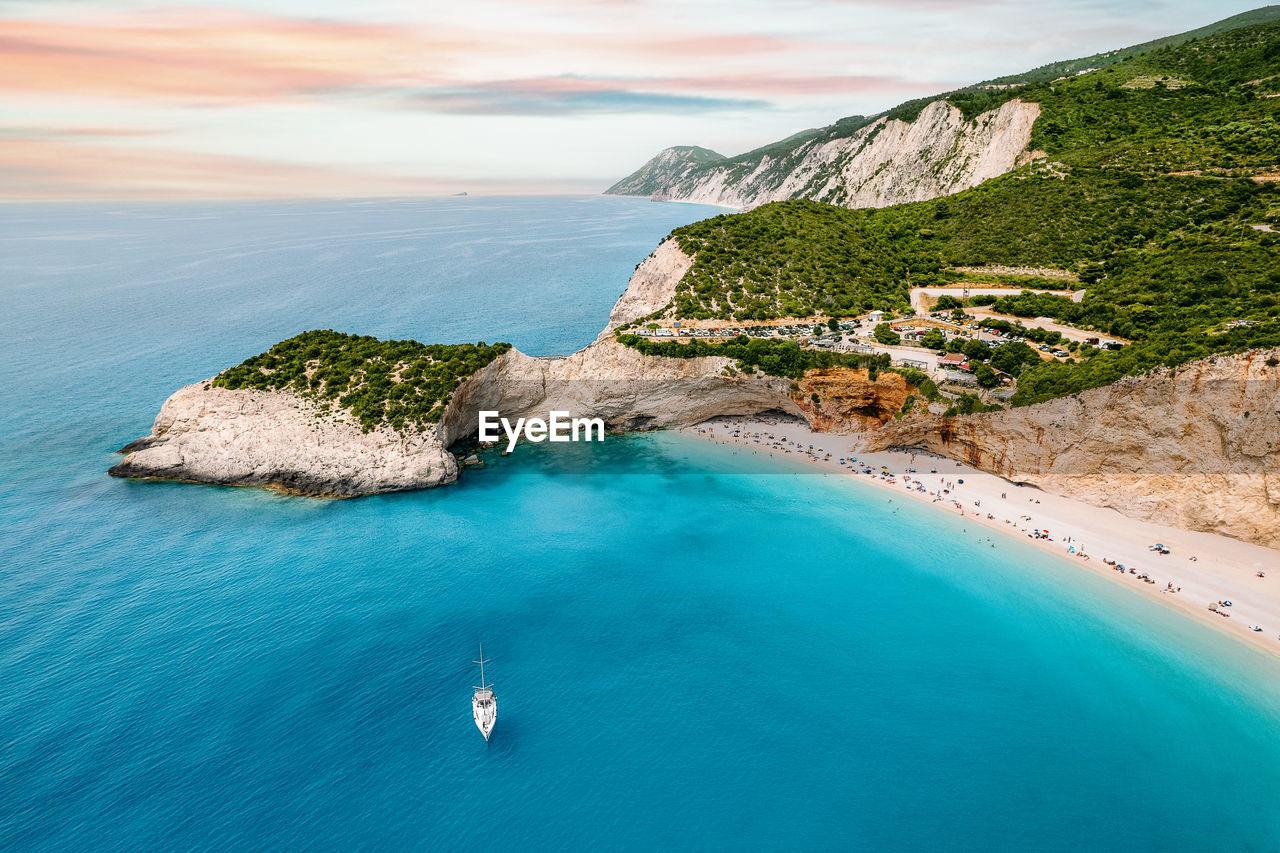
(930, 477)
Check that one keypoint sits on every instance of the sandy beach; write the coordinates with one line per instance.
(1198, 570)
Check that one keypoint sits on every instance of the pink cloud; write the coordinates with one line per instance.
(57, 169)
(212, 56)
(217, 56)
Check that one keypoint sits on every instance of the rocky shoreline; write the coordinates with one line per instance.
(283, 441)
(280, 441)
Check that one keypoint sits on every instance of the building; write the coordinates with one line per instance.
(952, 361)
(959, 377)
(876, 316)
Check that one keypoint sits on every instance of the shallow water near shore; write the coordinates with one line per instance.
(692, 645)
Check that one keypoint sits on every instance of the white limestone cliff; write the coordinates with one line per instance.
(652, 286)
(887, 162)
(281, 441)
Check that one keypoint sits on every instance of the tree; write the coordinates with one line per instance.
(986, 376)
(1145, 315)
(957, 314)
(967, 404)
(946, 301)
(886, 335)
(817, 330)
(1011, 357)
(1092, 273)
(934, 339)
(833, 324)
(976, 349)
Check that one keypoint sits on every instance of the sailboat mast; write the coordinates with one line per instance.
(482, 665)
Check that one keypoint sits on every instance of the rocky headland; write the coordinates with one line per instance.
(1197, 446)
(287, 441)
(888, 161)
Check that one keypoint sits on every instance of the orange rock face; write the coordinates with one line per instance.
(849, 400)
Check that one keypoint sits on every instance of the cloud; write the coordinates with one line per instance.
(212, 56)
(59, 169)
(572, 94)
(565, 96)
(790, 84)
(15, 131)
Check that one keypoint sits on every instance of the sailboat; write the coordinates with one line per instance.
(484, 705)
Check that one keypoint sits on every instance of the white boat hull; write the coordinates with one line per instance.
(484, 710)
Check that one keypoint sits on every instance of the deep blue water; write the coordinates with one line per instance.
(692, 647)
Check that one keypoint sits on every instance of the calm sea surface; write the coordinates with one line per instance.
(692, 647)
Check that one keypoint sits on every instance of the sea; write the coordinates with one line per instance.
(693, 647)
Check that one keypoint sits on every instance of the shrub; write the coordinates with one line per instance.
(886, 335)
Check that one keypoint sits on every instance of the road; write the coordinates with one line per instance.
(1069, 332)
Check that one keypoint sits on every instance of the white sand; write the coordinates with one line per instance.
(1208, 568)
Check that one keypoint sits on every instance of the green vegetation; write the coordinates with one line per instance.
(772, 356)
(928, 388)
(1013, 358)
(1070, 67)
(1040, 336)
(802, 258)
(1216, 117)
(1177, 256)
(886, 335)
(399, 383)
(786, 260)
(654, 175)
(968, 404)
(1028, 304)
(783, 358)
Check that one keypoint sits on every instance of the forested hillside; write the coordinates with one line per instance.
(1158, 189)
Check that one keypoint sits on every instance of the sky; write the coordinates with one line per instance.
(316, 98)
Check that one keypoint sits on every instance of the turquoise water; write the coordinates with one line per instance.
(693, 647)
